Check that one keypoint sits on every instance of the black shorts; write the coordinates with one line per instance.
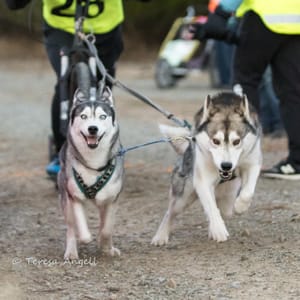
(109, 46)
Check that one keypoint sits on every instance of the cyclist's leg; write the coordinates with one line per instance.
(286, 71)
(55, 40)
(58, 138)
(250, 61)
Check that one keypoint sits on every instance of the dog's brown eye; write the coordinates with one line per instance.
(83, 117)
(216, 141)
(236, 142)
(102, 117)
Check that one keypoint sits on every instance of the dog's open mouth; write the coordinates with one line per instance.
(225, 175)
(92, 140)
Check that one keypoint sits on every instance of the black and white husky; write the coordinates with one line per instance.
(220, 161)
(90, 169)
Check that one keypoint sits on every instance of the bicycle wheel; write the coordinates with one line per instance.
(163, 75)
(80, 79)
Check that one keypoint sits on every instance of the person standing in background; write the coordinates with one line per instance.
(269, 108)
(269, 36)
(269, 104)
(223, 55)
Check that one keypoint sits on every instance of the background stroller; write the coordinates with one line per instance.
(179, 54)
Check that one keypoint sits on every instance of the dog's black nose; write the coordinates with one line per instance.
(226, 166)
(93, 130)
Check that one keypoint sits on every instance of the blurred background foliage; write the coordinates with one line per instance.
(145, 22)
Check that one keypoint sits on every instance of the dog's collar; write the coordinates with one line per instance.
(91, 191)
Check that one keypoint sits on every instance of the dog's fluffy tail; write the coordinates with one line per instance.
(179, 137)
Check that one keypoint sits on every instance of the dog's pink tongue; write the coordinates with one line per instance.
(91, 140)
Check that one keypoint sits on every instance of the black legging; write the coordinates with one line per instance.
(258, 48)
(109, 46)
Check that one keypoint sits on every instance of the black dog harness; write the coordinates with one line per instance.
(91, 191)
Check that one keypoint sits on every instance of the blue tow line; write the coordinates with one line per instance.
(122, 151)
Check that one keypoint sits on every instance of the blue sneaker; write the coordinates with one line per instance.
(53, 168)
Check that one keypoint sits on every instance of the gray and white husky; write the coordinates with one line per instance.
(219, 163)
(90, 169)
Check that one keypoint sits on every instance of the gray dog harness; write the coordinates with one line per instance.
(91, 191)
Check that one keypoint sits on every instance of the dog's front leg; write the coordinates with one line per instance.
(217, 229)
(249, 177)
(71, 245)
(82, 227)
(107, 220)
(226, 193)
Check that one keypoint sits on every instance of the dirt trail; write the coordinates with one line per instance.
(261, 260)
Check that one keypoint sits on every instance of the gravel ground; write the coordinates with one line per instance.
(261, 259)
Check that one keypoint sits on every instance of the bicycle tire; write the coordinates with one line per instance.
(163, 76)
(80, 79)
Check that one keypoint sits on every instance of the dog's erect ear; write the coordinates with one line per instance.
(205, 113)
(245, 109)
(107, 96)
(78, 97)
(179, 137)
(246, 112)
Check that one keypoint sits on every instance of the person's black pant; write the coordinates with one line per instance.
(258, 48)
(109, 46)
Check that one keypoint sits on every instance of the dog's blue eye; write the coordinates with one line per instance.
(216, 141)
(83, 117)
(236, 142)
(102, 117)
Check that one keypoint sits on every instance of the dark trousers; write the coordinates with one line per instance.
(269, 105)
(258, 48)
(109, 46)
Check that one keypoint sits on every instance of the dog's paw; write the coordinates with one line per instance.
(107, 248)
(112, 251)
(71, 255)
(218, 231)
(160, 239)
(86, 240)
(241, 205)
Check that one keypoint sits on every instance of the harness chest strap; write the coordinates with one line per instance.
(91, 191)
